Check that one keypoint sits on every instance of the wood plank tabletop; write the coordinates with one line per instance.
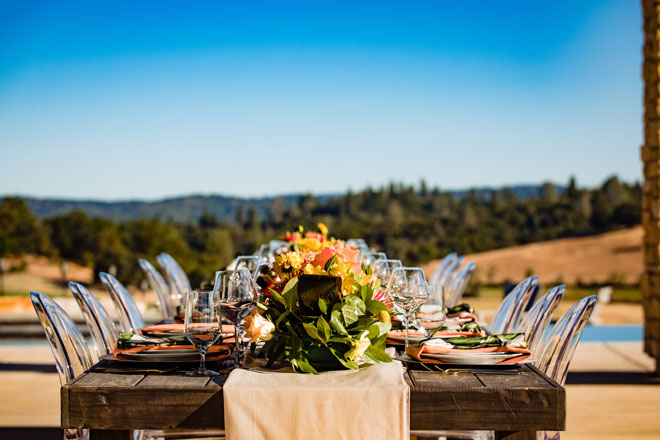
(528, 401)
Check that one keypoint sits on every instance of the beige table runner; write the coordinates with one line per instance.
(372, 403)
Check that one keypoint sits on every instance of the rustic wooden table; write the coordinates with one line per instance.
(515, 406)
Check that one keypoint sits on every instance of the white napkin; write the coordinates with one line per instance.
(372, 403)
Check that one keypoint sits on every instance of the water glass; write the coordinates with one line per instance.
(408, 290)
(202, 325)
(237, 299)
(431, 315)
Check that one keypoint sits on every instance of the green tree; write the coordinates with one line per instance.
(20, 231)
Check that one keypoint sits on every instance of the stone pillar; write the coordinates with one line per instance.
(651, 188)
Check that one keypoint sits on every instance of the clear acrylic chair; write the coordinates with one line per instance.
(176, 277)
(99, 322)
(129, 315)
(442, 267)
(456, 287)
(451, 271)
(167, 302)
(508, 314)
(560, 344)
(72, 357)
(537, 319)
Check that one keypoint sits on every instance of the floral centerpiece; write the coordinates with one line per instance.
(318, 306)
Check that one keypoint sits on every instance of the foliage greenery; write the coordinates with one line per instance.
(415, 224)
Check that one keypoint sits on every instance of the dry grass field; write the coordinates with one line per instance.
(598, 259)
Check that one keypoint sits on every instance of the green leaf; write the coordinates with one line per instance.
(335, 322)
(313, 287)
(356, 302)
(281, 318)
(352, 308)
(279, 298)
(305, 366)
(345, 362)
(364, 293)
(290, 293)
(323, 328)
(377, 354)
(323, 306)
(313, 332)
(363, 323)
(375, 287)
(330, 262)
(378, 329)
(374, 307)
(349, 314)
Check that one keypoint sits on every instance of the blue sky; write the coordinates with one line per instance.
(155, 98)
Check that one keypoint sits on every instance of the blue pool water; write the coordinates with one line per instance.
(613, 333)
(599, 333)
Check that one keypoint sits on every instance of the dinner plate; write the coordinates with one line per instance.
(473, 358)
(182, 355)
(170, 334)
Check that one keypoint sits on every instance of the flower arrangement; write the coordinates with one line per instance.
(318, 306)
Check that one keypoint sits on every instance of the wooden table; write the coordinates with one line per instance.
(515, 406)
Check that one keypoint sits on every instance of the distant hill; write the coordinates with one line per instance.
(612, 257)
(187, 208)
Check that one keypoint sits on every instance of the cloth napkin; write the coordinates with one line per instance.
(402, 334)
(419, 351)
(215, 353)
(372, 403)
(463, 315)
(160, 328)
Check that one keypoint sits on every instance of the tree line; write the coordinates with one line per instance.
(414, 223)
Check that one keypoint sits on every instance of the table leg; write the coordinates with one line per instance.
(110, 434)
(515, 435)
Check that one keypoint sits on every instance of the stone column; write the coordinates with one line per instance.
(651, 188)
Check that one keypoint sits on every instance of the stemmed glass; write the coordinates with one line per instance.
(202, 325)
(431, 315)
(237, 299)
(408, 290)
(369, 258)
(249, 262)
(259, 283)
(382, 269)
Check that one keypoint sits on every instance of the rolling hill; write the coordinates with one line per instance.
(598, 259)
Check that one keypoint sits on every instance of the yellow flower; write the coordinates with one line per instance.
(288, 264)
(311, 244)
(384, 316)
(349, 285)
(359, 347)
(310, 269)
(323, 228)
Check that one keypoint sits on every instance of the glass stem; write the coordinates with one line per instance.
(202, 362)
(237, 340)
(405, 346)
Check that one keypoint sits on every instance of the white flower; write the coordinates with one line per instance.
(359, 347)
(258, 328)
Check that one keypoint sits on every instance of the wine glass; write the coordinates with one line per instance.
(202, 325)
(260, 277)
(382, 269)
(369, 258)
(408, 290)
(431, 315)
(249, 262)
(237, 300)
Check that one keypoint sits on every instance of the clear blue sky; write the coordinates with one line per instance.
(149, 99)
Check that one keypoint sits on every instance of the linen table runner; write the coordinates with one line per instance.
(372, 403)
